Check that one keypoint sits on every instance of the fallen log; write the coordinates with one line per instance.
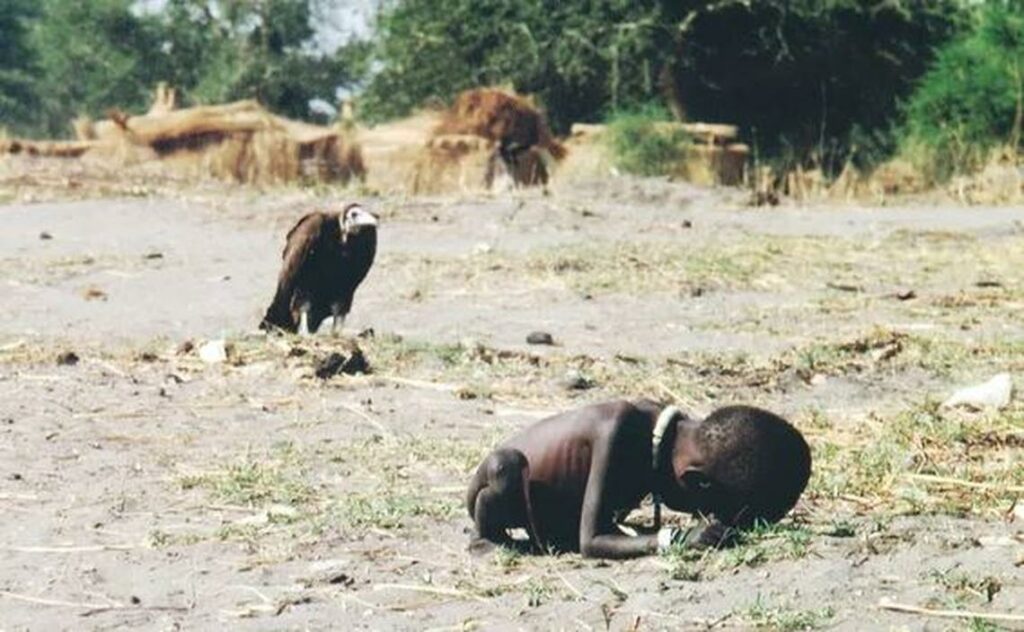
(46, 148)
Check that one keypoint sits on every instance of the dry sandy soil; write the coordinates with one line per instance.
(142, 487)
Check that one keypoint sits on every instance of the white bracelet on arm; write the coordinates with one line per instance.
(666, 537)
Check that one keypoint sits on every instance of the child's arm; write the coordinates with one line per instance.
(598, 536)
(613, 482)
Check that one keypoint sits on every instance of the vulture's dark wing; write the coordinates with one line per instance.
(300, 245)
(310, 222)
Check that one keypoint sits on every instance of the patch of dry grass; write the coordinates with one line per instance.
(698, 376)
(393, 482)
(922, 460)
(902, 259)
(629, 267)
(962, 588)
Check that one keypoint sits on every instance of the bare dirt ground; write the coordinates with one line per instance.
(142, 487)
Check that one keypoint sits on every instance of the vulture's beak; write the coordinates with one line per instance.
(356, 218)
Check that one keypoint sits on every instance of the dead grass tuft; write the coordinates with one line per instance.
(922, 460)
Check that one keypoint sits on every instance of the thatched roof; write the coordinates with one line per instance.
(242, 141)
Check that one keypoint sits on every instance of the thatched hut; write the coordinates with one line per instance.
(239, 141)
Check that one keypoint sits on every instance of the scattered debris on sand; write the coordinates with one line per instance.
(67, 358)
(351, 362)
(994, 393)
(540, 338)
(213, 352)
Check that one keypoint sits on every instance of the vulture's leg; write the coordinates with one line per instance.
(304, 320)
(337, 322)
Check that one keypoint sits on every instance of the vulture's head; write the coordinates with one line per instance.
(356, 219)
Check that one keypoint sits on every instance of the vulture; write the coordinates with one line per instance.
(326, 256)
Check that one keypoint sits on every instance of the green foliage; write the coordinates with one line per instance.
(93, 56)
(388, 509)
(251, 482)
(251, 50)
(817, 81)
(780, 619)
(18, 96)
(641, 146)
(754, 547)
(972, 99)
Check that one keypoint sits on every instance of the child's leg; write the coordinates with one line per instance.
(498, 499)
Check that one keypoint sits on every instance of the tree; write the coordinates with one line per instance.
(93, 56)
(259, 49)
(972, 98)
(18, 98)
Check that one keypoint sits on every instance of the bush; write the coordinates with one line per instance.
(812, 83)
(641, 143)
(972, 99)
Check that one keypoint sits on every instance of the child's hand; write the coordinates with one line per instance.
(703, 536)
(712, 534)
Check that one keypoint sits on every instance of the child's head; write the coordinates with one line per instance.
(742, 464)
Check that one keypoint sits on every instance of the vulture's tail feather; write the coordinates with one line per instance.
(278, 316)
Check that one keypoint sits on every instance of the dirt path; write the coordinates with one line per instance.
(143, 488)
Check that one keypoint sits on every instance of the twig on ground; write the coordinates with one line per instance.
(867, 503)
(103, 609)
(265, 599)
(71, 549)
(885, 604)
(90, 608)
(571, 588)
(946, 480)
(432, 386)
(107, 366)
(212, 507)
(54, 602)
(127, 414)
(689, 403)
(12, 346)
(384, 430)
(433, 590)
